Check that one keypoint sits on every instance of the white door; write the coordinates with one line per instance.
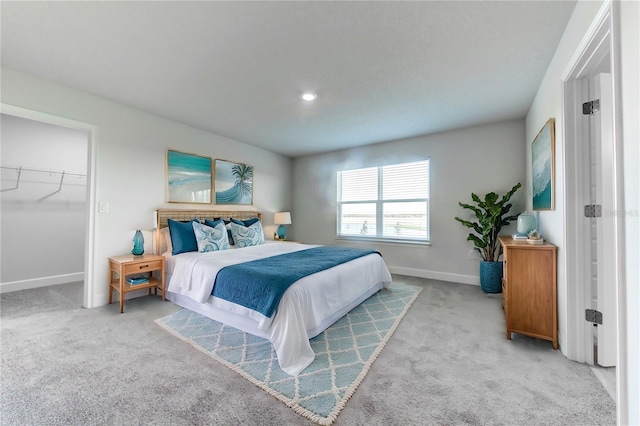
(603, 227)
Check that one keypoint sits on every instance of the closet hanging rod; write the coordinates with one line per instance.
(19, 169)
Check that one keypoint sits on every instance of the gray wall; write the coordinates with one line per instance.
(128, 169)
(478, 159)
(43, 231)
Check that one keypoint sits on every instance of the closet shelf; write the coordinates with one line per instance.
(51, 172)
(21, 169)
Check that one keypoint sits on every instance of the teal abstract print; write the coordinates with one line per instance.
(542, 167)
(188, 178)
(233, 183)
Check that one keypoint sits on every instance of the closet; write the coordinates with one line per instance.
(43, 203)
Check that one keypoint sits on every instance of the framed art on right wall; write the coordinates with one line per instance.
(543, 167)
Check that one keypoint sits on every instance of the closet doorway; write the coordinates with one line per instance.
(45, 200)
(594, 201)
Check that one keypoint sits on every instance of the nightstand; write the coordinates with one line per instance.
(121, 267)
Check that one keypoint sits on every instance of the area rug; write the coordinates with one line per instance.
(344, 352)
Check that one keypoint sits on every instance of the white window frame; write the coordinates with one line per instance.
(379, 203)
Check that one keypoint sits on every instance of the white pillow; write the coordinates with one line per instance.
(211, 239)
(244, 236)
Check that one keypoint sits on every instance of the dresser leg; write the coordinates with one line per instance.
(508, 335)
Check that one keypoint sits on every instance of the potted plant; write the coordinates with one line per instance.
(492, 213)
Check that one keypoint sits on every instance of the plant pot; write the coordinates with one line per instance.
(491, 276)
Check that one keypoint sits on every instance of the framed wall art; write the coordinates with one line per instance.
(233, 183)
(189, 178)
(543, 167)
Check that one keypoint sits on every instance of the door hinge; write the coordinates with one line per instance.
(591, 107)
(593, 316)
(593, 210)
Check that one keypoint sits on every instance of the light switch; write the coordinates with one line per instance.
(103, 207)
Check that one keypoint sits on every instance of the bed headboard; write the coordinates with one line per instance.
(162, 216)
(177, 214)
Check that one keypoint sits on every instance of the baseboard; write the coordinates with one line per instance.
(40, 282)
(435, 275)
(102, 299)
(607, 376)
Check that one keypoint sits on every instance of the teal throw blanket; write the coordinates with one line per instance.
(260, 284)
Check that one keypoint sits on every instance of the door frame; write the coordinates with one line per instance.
(88, 289)
(600, 39)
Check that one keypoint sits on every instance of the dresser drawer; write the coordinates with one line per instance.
(142, 267)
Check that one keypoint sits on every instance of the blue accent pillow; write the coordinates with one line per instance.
(226, 222)
(247, 222)
(246, 236)
(213, 223)
(183, 239)
(211, 238)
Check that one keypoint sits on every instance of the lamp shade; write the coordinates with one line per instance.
(282, 218)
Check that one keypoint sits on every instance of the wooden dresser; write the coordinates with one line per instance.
(529, 289)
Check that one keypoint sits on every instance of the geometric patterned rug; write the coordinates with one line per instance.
(344, 352)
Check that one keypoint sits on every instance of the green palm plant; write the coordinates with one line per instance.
(491, 214)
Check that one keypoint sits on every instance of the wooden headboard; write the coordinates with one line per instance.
(177, 214)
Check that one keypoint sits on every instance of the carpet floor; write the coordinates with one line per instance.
(448, 363)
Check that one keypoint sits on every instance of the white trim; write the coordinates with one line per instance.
(435, 275)
(40, 282)
(578, 345)
(605, 26)
(579, 59)
(603, 375)
(89, 299)
(627, 411)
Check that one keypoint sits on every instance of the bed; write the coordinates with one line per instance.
(310, 305)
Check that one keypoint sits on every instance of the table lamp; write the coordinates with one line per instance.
(282, 219)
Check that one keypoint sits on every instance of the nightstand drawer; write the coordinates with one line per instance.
(142, 267)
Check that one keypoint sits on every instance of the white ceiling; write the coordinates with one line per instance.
(382, 70)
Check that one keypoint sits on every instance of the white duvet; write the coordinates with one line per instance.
(308, 307)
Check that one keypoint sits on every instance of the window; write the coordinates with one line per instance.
(389, 203)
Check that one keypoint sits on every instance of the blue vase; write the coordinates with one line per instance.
(491, 276)
(138, 244)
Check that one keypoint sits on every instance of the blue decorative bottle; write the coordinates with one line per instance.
(138, 244)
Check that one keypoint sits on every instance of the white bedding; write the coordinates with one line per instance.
(308, 307)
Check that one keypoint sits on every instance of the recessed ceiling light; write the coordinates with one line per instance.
(309, 96)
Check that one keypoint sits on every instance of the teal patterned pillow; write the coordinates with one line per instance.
(245, 236)
(211, 239)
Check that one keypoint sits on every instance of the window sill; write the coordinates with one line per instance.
(384, 241)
